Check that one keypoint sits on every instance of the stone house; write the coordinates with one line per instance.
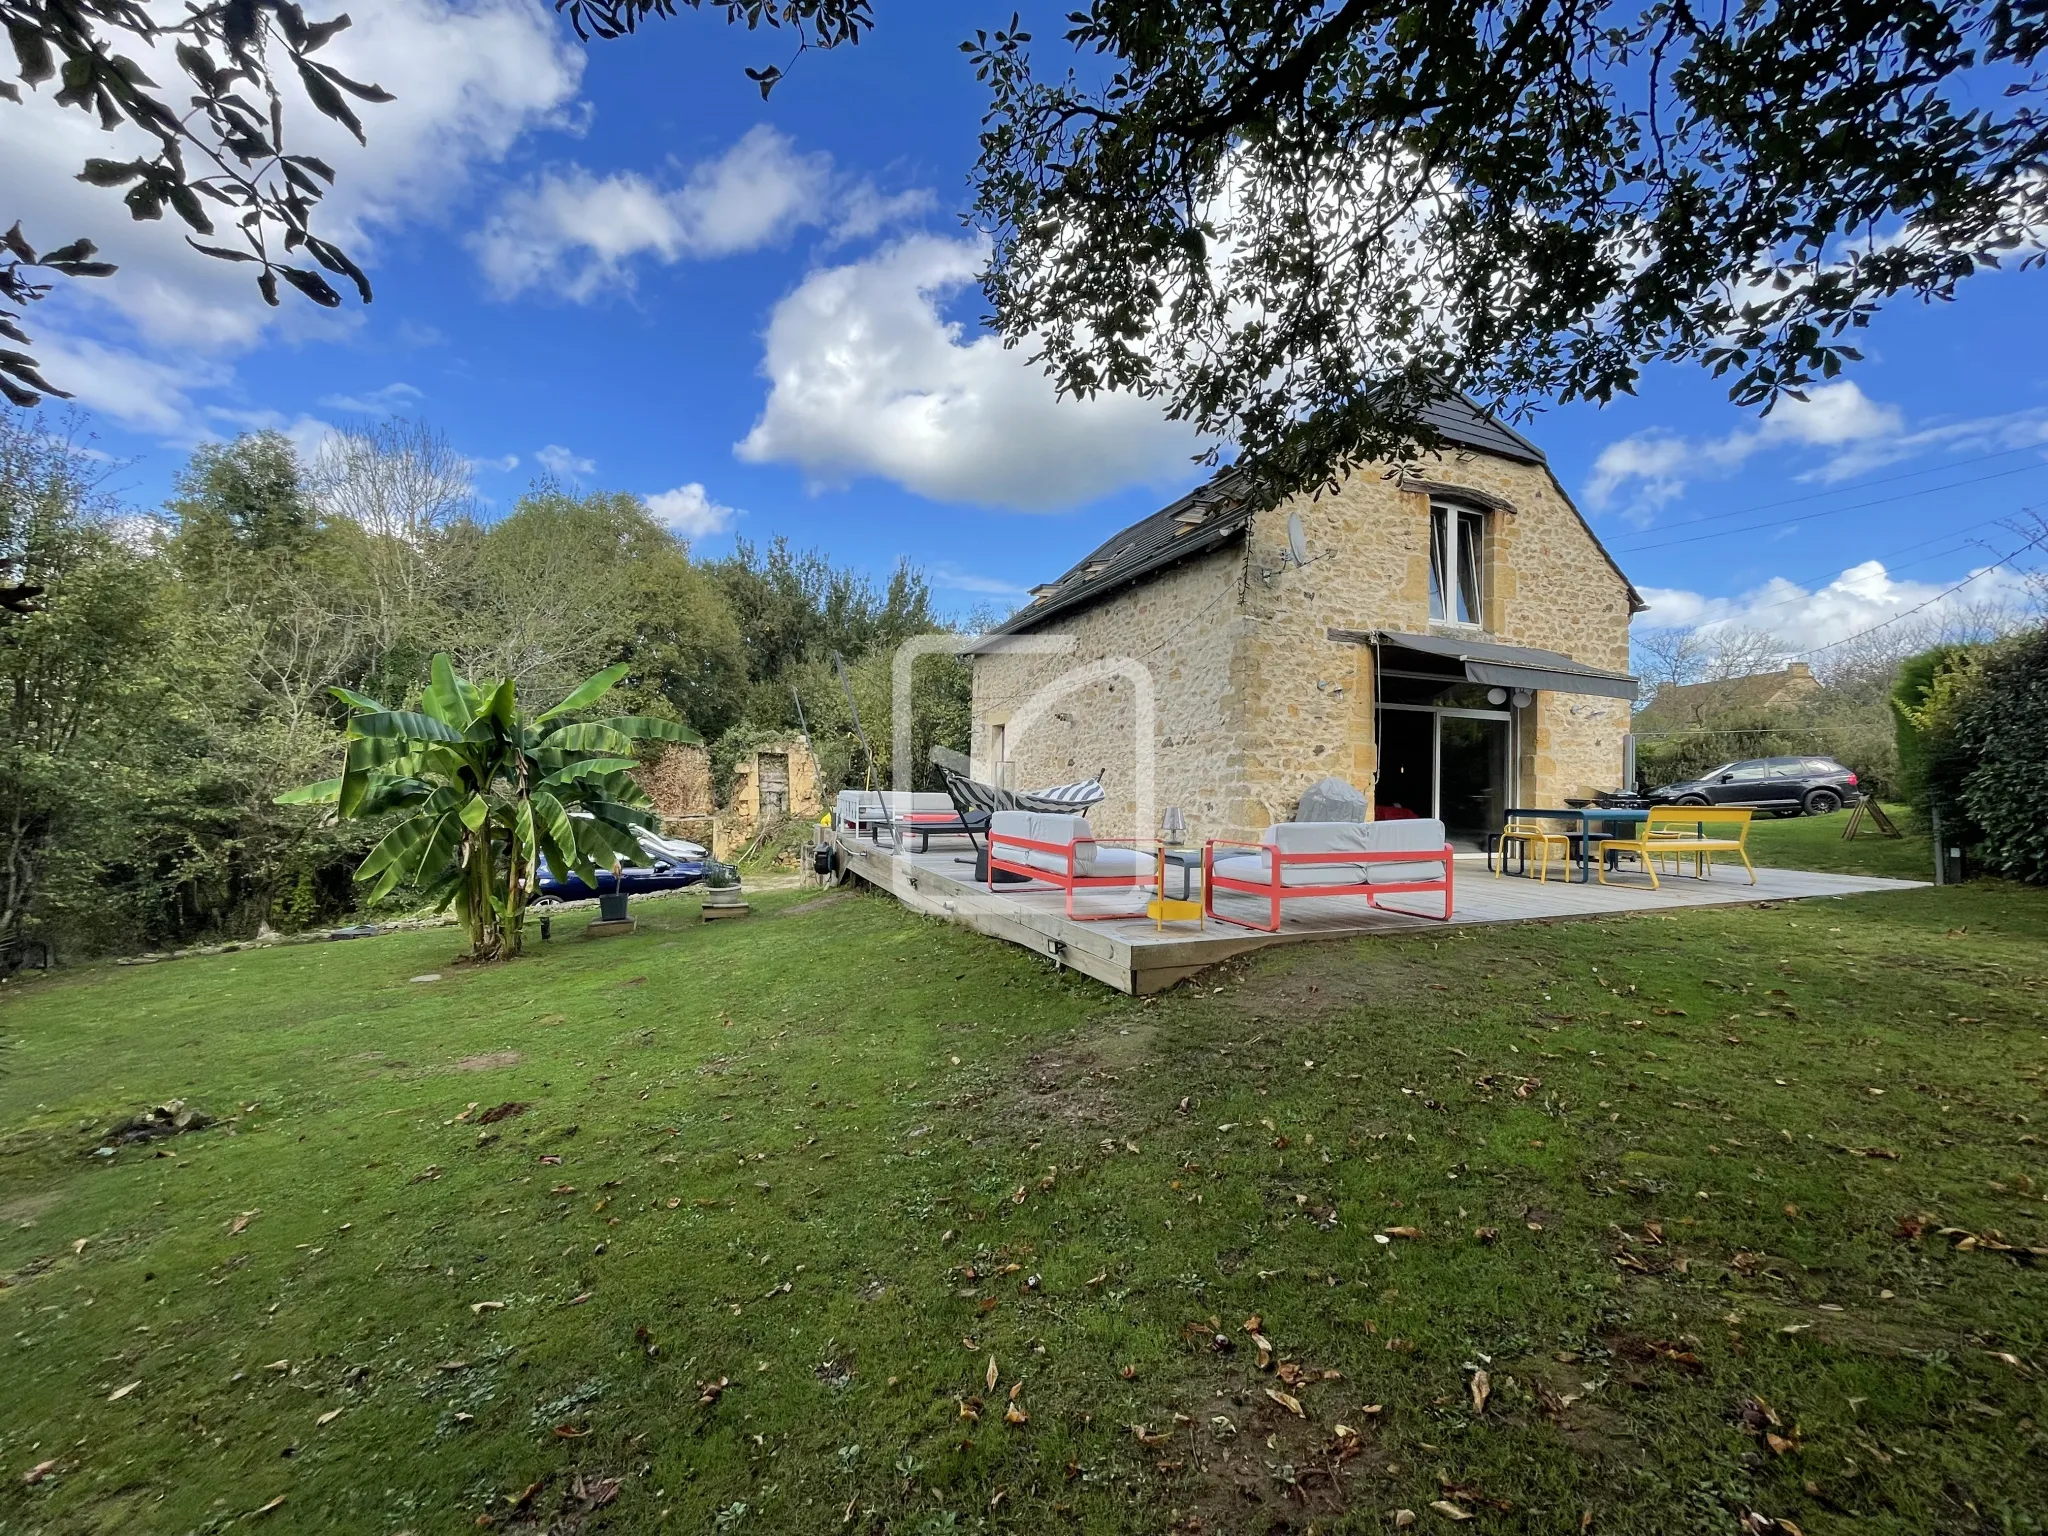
(1456, 643)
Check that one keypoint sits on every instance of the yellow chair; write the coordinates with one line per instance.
(1538, 839)
(1677, 831)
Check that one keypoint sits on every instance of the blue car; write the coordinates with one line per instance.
(671, 864)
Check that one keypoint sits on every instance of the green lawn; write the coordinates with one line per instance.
(785, 1192)
(1815, 842)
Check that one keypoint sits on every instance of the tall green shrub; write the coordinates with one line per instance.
(2000, 744)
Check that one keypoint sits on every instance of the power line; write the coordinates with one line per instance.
(1808, 596)
(2034, 543)
(1854, 485)
(1859, 506)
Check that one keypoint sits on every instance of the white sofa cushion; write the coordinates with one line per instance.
(1090, 858)
(1342, 837)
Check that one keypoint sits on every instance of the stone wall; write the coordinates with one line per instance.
(1254, 702)
(1548, 585)
(741, 819)
(1177, 635)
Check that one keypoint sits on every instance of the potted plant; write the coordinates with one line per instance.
(722, 894)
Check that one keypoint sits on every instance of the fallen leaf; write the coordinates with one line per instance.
(1015, 1414)
(1265, 1348)
(1147, 1437)
(120, 1392)
(1403, 1518)
(710, 1391)
(240, 1223)
(1288, 1401)
(266, 1509)
(79, 1246)
(1482, 1388)
(970, 1408)
(1408, 1232)
(1129, 1373)
(1098, 1279)
(39, 1471)
(991, 1374)
(327, 1418)
(478, 1308)
(570, 1432)
(1449, 1510)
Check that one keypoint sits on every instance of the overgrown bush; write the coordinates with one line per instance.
(1974, 728)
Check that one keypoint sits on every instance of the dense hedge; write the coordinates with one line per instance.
(1974, 728)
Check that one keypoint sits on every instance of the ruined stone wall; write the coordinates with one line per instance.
(1180, 630)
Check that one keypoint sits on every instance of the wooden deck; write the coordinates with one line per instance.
(1132, 956)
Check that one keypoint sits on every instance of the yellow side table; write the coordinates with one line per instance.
(1164, 909)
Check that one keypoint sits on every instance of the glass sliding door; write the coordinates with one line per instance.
(1473, 780)
(1453, 764)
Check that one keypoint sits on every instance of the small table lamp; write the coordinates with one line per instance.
(1173, 827)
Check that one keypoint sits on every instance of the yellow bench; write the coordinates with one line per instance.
(1675, 831)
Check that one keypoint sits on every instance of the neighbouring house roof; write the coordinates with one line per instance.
(1216, 513)
(1793, 684)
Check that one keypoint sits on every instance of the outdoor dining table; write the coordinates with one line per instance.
(1585, 816)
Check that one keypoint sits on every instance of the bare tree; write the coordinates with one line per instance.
(404, 485)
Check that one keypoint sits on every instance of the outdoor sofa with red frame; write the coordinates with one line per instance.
(1329, 858)
(1064, 851)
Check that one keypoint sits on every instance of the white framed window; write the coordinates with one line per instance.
(1457, 552)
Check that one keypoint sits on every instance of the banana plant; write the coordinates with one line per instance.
(487, 793)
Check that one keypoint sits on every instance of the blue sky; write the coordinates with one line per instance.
(619, 264)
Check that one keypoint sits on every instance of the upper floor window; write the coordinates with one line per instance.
(1457, 545)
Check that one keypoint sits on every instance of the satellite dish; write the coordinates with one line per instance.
(1297, 541)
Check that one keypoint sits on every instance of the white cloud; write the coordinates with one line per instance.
(564, 463)
(952, 579)
(495, 466)
(469, 78)
(868, 378)
(387, 401)
(689, 512)
(308, 434)
(136, 391)
(1655, 467)
(580, 234)
(1860, 597)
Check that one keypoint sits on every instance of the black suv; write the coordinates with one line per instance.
(1783, 786)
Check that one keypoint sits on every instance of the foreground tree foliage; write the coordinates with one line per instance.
(1300, 222)
(485, 793)
(1296, 222)
(215, 151)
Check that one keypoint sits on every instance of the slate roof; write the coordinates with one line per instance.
(1212, 514)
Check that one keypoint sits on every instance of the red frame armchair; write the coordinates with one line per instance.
(1064, 851)
(1330, 858)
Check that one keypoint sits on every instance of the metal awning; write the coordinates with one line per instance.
(1502, 666)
